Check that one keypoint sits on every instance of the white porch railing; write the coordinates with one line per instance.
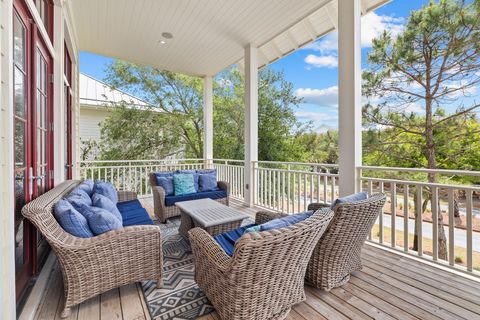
(232, 171)
(290, 186)
(133, 175)
(413, 206)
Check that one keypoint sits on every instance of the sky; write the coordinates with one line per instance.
(313, 70)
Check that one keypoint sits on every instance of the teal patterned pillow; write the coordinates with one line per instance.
(183, 184)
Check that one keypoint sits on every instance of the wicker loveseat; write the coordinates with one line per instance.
(91, 266)
(165, 209)
(337, 254)
(265, 276)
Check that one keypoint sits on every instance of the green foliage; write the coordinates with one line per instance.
(411, 80)
(174, 122)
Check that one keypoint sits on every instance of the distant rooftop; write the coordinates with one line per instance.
(94, 92)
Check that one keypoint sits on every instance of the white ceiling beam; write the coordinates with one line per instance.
(292, 39)
(332, 13)
(310, 29)
(276, 48)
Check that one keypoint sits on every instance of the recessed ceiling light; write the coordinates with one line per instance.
(162, 42)
(167, 35)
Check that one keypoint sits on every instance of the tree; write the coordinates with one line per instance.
(416, 76)
(174, 121)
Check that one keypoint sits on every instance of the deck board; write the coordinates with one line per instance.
(390, 286)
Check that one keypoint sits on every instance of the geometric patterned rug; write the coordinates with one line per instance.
(180, 297)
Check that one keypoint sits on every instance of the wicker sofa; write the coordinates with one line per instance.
(265, 276)
(91, 266)
(163, 211)
(337, 254)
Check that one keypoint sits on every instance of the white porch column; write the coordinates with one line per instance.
(251, 120)
(208, 120)
(58, 98)
(350, 95)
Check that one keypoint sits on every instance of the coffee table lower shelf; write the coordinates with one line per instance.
(187, 223)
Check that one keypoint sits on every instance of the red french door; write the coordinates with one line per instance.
(32, 69)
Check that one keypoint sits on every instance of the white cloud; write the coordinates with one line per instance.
(373, 25)
(458, 85)
(322, 122)
(322, 61)
(324, 97)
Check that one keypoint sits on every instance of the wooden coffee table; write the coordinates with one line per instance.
(209, 215)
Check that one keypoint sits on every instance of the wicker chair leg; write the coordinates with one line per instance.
(159, 283)
(66, 313)
(282, 315)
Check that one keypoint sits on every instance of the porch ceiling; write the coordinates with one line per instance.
(208, 35)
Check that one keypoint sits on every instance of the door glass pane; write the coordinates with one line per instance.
(19, 203)
(19, 144)
(19, 43)
(19, 139)
(19, 94)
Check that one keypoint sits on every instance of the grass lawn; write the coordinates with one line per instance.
(460, 253)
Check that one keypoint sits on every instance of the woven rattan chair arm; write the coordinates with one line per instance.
(114, 237)
(317, 206)
(126, 196)
(265, 216)
(225, 186)
(204, 246)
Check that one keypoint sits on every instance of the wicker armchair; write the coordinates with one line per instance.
(337, 254)
(91, 266)
(265, 276)
(163, 212)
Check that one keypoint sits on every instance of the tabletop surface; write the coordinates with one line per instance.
(208, 212)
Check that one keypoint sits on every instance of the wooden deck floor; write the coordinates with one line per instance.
(390, 286)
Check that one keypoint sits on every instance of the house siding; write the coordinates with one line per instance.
(90, 120)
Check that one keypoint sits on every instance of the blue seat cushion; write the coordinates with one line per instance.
(351, 198)
(71, 220)
(283, 222)
(219, 194)
(135, 217)
(227, 239)
(129, 205)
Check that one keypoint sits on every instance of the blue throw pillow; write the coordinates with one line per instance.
(71, 220)
(87, 186)
(163, 174)
(101, 220)
(281, 222)
(78, 195)
(212, 172)
(195, 177)
(351, 198)
(167, 184)
(107, 189)
(207, 182)
(183, 183)
(103, 202)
